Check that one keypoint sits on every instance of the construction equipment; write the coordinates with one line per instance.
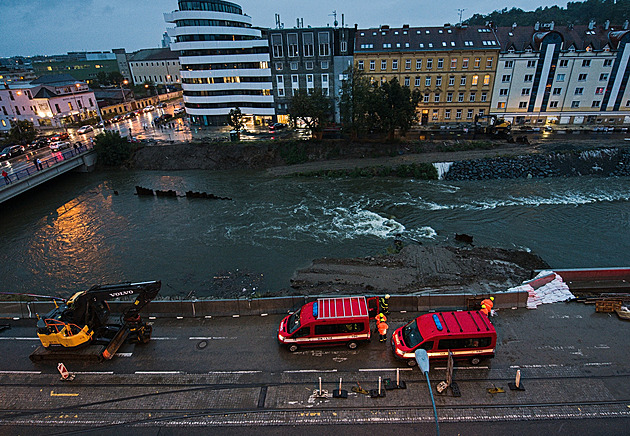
(81, 322)
(492, 125)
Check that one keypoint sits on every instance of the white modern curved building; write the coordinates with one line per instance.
(224, 62)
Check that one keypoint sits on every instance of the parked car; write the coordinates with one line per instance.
(161, 105)
(11, 151)
(162, 118)
(84, 129)
(60, 136)
(277, 126)
(59, 145)
(149, 108)
(179, 111)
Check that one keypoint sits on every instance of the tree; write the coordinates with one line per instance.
(112, 149)
(235, 119)
(397, 107)
(354, 102)
(312, 108)
(22, 132)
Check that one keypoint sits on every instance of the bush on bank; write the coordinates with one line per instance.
(112, 149)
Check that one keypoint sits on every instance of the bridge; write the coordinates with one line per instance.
(33, 173)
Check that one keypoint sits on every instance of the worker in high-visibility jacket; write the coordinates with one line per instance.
(382, 329)
(485, 310)
(489, 303)
(384, 304)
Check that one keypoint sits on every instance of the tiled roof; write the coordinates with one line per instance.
(414, 39)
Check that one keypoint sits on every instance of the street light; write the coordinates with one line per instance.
(423, 363)
(124, 82)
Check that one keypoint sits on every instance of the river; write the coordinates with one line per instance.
(76, 232)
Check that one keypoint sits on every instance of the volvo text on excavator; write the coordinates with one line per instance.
(82, 320)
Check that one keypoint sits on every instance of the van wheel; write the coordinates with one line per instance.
(411, 362)
(475, 360)
(352, 345)
(293, 348)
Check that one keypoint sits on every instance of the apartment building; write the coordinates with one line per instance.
(159, 66)
(452, 66)
(308, 59)
(224, 62)
(551, 74)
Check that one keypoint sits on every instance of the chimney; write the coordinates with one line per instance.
(606, 24)
(537, 26)
(591, 25)
(625, 25)
(551, 25)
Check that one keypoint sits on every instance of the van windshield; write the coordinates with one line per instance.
(294, 322)
(411, 334)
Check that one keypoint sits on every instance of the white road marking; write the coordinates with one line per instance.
(163, 339)
(465, 367)
(598, 364)
(234, 372)
(20, 372)
(123, 354)
(208, 338)
(553, 365)
(93, 372)
(309, 371)
(18, 339)
(383, 369)
(158, 372)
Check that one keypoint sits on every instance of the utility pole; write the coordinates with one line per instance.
(461, 11)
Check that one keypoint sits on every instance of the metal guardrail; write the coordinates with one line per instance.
(54, 159)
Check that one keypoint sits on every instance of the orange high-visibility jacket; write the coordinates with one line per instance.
(382, 328)
(488, 303)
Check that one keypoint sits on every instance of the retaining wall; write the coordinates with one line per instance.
(277, 305)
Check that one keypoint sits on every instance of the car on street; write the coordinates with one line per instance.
(59, 145)
(179, 111)
(85, 129)
(161, 105)
(277, 126)
(11, 151)
(59, 136)
(149, 108)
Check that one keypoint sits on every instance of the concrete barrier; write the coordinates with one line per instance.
(272, 306)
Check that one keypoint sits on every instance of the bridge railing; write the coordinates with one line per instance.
(55, 158)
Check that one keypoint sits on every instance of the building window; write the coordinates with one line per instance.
(449, 97)
(486, 80)
(440, 63)
(454, 63)
(408, 64)
(477, 63)
(489, 62)
(360, 65)
(582, 77)
(309, 65)
(465, 63)
(506, 78)
(503, 91)
(458, 114)
(292, 42)
(579, 91)
(407, 81)
(599, 90)
(451, 81)
(509, 64)
(529, 77)
(276, 46)
(501, 105)
(324, 44)
(324, 65)
(447, 114)
(586, 63)
(394, 64)
(553, 103)
(418, 64)
(471, 97)
(469, 114)
(429, 63)
(462, 81)
(436, 98)
(294, 66)
(564, 63)
(426, 98)
(557, 91)
(522, 104)
(434, 117)
(438, 81)
(596, 103)
(280, 92)
(608, 62)
(427, 81)
(484, 96)
(309, 44)
(531, 64)
(525, 91)
(383, 65)
(372, 65)
(482, 112)
(575, 104)
(417, 81)
(475, 80)
(603, 77)
(460, 97)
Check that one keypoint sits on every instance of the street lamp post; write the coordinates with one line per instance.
(423, 363)
(124, 82)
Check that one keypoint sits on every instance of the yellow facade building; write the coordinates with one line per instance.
(453, 67)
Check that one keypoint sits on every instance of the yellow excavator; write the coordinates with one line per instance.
(492, 125)
(83, 320)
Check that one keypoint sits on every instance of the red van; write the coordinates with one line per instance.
(467, 334)
(329, 321)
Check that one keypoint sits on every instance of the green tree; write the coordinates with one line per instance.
(22, 132)
(354, 103)
(397, 107)
(312, 108)
(235, 119)
(112, 149)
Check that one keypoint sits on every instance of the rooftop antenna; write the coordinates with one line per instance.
(334, 14)
(460, 11)
(278, 24)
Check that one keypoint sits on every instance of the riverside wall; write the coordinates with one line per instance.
(277, 305)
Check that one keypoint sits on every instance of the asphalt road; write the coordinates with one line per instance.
(230, 373)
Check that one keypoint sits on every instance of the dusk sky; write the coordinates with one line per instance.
(33, 27)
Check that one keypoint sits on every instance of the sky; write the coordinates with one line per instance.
(48, 27)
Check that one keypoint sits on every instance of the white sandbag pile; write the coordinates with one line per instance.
(547, 287)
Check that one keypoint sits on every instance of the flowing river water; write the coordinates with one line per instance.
(76, 232)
